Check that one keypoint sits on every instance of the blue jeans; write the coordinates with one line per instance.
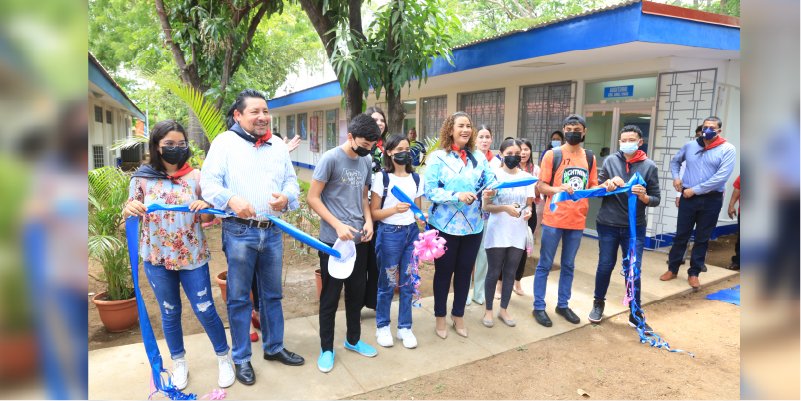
(394, 246)
(611, 238)
(249, 249)
(197, 287)
(571, 239)
(701, 212)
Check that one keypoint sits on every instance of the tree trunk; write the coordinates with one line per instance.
(196, 133)
(354, 101)
(395, 111)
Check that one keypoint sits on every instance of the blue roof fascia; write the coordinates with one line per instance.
(591, 31)
(98, 78)
(314, 93)
(661, 29)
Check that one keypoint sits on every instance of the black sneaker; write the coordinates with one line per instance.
(597, 312)
(633, 323)
(542, 318)
(568, 315)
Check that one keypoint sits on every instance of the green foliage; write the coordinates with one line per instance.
(198, 155)
(108, 191)
(211, 119)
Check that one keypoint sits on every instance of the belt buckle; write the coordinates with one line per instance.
(263, 224)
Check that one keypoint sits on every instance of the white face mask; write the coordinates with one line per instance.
(629, 147)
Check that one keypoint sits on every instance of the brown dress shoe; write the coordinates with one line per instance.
(668, 275)
(693, 282)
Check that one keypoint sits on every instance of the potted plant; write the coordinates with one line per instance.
(108, 191)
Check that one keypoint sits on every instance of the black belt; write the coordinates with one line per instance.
(253, 223)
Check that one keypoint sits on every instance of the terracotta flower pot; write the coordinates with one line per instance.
(117, 316)
(20, 356)
(221, 280)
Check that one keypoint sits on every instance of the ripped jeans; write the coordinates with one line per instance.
(393, 247)
(197, 287)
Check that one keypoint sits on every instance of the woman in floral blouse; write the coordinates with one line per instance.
(173, 246)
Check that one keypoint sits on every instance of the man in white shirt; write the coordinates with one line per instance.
(248, 171)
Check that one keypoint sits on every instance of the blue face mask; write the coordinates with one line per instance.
(709, 133)
(628, 147)
(556, 144)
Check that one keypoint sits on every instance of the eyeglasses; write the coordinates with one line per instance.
(171, 144)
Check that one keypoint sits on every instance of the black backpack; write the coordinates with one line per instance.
(385, 176)
(557, 161)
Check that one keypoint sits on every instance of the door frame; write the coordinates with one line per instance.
(616, 109)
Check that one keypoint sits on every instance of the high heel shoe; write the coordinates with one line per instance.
(461, 332)
(254, 318)
(443, 334)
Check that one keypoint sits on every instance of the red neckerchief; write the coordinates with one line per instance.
(380, 145)
(461, 152)
(264, 138)
(186, 169)
(719, 140)
(489, 155)
(638, 157)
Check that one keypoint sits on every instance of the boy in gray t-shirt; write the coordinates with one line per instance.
(338, 193)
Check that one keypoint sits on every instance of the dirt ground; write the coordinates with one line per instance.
(300, 297)
(606, 361)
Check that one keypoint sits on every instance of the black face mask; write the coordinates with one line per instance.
(511, 161)
(573, 138)
(360, 151)
(175, 155)
(403, 158)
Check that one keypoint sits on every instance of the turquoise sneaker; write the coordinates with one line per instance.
(326, 361)
(362, 348)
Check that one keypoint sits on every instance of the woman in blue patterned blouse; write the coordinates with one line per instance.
(454, 174)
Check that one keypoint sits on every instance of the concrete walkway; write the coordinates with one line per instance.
(123, 372)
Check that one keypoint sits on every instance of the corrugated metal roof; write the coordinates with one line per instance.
(551, 22)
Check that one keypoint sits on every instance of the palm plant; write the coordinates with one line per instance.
(108, 191)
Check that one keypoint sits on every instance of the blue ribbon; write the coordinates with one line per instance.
(634, 265)
(522, 182)
(148, 338)
(405, 198)
(293, 231)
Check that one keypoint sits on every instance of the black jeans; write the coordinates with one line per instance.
(354, 298)
(521, 267)
(457, 264)
(701, 212)
(371, 289)
(501, 260)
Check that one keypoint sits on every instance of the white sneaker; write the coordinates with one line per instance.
(226, 376)
(409, 340)
(180, 373)
(383, 336)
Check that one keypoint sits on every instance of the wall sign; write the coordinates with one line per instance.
(618, 91)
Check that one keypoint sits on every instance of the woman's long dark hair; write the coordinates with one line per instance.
(530, 163)
(391, 144)
(159, 131)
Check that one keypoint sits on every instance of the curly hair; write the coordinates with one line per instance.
(446, 132)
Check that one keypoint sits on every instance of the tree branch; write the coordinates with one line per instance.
(177, 53)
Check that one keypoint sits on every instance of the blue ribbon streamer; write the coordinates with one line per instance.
(634, 265)
(522, 182)
(293, 231)
(405, 198)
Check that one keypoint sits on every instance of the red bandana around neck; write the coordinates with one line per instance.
(719, 140)
(489, 155)
(264, 138)
(638, 157)
(186, 169)
(461, 152)
(380, 145)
